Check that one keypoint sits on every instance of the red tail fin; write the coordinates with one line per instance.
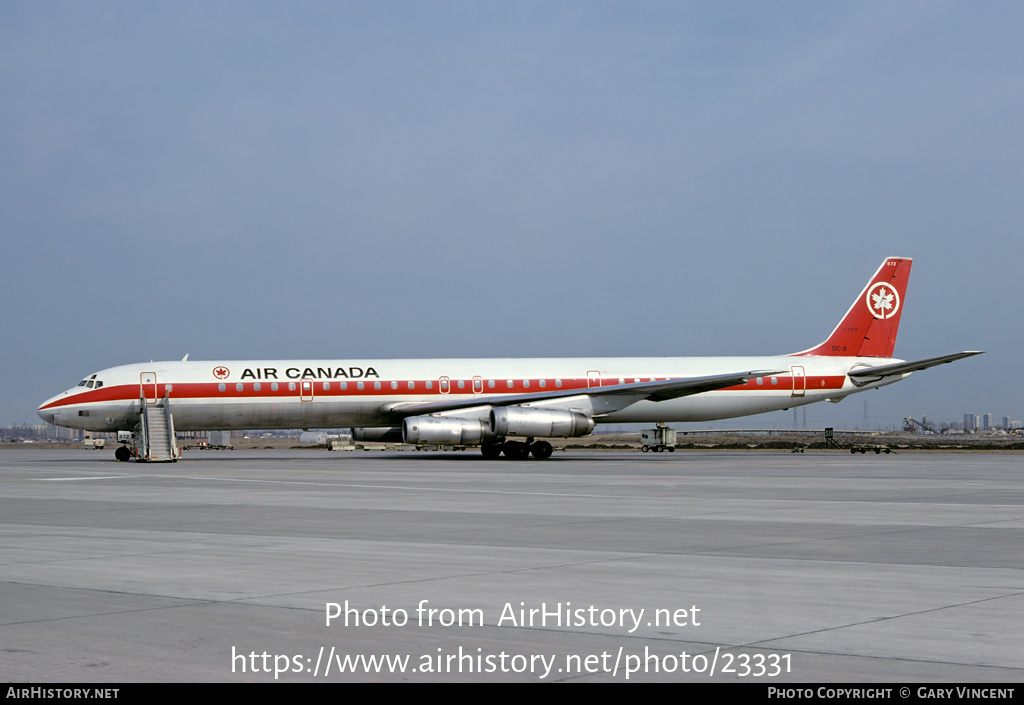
(869, 328)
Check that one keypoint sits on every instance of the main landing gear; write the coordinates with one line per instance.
(518, 450)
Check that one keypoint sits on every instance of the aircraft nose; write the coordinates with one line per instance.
(45, 414)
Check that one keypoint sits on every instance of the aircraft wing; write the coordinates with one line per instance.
(870, 374)
(612, 397)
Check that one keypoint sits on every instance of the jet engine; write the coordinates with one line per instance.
(545, 423)
(444, 430)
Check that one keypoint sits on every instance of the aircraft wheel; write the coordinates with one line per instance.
(541, 450)
(491, 451)
(515, 450)
(122, 454)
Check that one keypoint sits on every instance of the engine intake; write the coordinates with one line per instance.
(545, 423)
(445, 431)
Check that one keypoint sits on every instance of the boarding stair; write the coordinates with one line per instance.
(156, 442)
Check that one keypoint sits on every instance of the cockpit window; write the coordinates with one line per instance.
(98, 384)
(83, 383)
(90, 384)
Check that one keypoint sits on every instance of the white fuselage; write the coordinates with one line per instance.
(266, 394)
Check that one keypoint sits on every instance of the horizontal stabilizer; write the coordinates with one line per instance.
(902, 368)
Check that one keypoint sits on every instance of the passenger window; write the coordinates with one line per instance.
(430, 385)
(255, 386)
(239, 387)
(462, 384)
(273, 386)
(412, 385)
(543, 383)
(359, 385)
(508, 383)
(327, 386)
(394, 385)
(376, 385)
(526, 383)
(221, 387)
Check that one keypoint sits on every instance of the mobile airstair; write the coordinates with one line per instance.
(156, 442)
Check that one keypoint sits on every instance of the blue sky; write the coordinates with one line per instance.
(477, 179)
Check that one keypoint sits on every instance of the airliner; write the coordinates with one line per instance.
(506, 406)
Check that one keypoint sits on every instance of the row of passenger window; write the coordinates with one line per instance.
(429, 384)
(445, 385)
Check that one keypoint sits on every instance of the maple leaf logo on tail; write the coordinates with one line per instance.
(883, 301)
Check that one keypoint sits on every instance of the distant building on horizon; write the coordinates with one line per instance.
(970, 423)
